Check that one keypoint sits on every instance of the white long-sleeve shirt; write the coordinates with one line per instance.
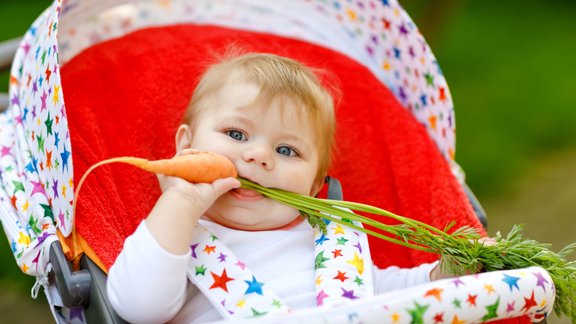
(147, 284)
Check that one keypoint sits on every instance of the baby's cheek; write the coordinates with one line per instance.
(298, 182)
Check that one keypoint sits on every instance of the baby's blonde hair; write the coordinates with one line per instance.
(276, 76)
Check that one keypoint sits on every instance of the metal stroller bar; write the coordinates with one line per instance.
(7, 50)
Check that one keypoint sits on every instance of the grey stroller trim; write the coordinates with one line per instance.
(7, 50)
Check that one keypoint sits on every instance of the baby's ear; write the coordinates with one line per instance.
(183, 137)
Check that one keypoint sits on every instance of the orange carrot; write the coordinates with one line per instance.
(198, 167)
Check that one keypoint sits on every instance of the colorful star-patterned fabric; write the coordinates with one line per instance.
(36, 184)
(468, 299)
(343, 272)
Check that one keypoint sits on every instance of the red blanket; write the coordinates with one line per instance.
(126, 96)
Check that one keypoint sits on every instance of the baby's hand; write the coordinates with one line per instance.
(200, 195)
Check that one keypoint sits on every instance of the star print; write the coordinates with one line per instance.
(18, 186)
(510, 307)
(193, 250)
(541, 280)
(320, 297)
(55, 188)
(358, 246)
(321, 240)
(429, 79)
(439, 318)
(336, 253)
(209, 249)
(529, 303)
(396, 52)
(60, 217)
(458, 282)
(456, 302)
(276, 303)
(348, 294)
(36, 187)
(432, 120)
(254, 286)
(402, 29)
(511, 281)
(457, 320)
(47, 211)
(220, 281)
(472, 299)
(48, 160)
(435, 292)
(417, 313)
(342, 241)
(492, 311)
(319, 261)
(15, 100)
(489, 288)
(339, 230)
(256, 313)
(200, 270)
(240, 264)
(359, 281)
(48, 122)
(357, 262)
(64, 155)
(442, 94)
(40, 143)
(23, 239)
(341, 276)
(5, 150)
(26, 205)
(222, 257)
(56, 97)
(43, 101)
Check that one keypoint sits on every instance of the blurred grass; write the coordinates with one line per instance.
(511, 69)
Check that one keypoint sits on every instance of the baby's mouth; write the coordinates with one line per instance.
(246, 194)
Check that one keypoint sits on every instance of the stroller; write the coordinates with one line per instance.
(127, 69)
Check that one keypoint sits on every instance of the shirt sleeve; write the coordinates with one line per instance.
(393, 277)
(147, 284)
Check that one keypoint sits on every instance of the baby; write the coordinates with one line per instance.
(215, 251)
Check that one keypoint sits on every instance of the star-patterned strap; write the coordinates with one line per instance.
(227, 282)
(342, 265)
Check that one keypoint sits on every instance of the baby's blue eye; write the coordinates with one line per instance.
(286, 150)
(236, 134)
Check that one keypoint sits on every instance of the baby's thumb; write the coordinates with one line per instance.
(222, 186)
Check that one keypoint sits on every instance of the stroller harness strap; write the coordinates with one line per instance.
(342, 273)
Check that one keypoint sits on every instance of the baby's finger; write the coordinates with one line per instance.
(489, 241)
(187, 151)
(221, 186)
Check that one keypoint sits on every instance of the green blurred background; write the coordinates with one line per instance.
(511, 69)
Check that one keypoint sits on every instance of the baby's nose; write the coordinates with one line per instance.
(261, 155)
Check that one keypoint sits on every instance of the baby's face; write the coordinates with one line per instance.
(271, 146)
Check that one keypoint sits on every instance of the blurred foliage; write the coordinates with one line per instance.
(510, 68)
